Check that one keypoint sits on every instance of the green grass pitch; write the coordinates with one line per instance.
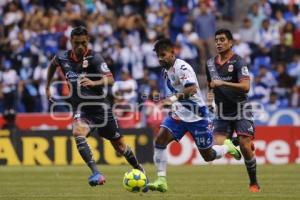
(218, 182)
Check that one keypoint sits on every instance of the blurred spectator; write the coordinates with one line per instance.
(29, 91)
(241, 48)
(261, 91)
(247, 32)
(279, 21)
(266, 77)
(9, 86)
(125, 88)
(149, 57)
(285, 84)
(256, 15)
(40, 78)
(266, 37)
(294, 100)
(190, 46)
(227, 8)
(205, 27)
(288, 33)
(266, 7)
(273, 104)
(281, 52)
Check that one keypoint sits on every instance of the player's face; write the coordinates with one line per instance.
(80, 44)
(166, 58)
(222, 43)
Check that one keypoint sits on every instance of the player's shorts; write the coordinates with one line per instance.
(199, 130)
(240, 127)
(107, 128)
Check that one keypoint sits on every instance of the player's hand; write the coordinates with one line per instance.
(216, 83)
(166, 102)
(86, 82)
(48, 93)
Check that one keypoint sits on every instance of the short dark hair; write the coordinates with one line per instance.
(163, 44)
(79, 30)
(226, 32)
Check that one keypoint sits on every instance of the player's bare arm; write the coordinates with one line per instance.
(243, 85)
(51, 71)
(106, 80)
(185, 94)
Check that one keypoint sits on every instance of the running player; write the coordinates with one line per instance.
(189, 113)
(228, 79)
(87, 75)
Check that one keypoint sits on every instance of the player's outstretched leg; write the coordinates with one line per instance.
(160, 160)
(250, 162)
(96, 178)
(232, 150)
(80, 131)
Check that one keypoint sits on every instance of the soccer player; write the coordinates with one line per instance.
(189, 113)
(229, 83)
(87, 75)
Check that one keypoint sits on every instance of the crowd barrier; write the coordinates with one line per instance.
(274, 145)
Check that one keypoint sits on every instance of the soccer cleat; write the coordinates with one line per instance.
(254, 188)
(159, 185)
(96, 179)
(232, 150)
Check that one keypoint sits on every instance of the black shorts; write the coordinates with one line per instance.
(240, 127)
(107, 128)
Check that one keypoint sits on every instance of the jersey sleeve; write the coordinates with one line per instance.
(55, 62)
(101, 65)
(208, 77)
(242, 70)
(185, 73)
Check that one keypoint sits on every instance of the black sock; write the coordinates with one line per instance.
(130, 157)
(86, 152)
(251, 169)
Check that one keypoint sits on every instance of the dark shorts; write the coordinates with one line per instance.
(107, 128)
(240, 127)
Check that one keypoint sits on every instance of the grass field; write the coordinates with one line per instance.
(281, 182)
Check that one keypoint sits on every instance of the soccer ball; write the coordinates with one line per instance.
(134, 180)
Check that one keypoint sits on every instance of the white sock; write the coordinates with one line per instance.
(221, 150)
(160, 161)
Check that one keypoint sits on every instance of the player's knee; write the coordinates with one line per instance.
(119, 146)
(79, 131)
(245, 142)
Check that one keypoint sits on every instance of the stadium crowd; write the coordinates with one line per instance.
(33, 31)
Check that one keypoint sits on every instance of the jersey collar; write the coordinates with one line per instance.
(218, 59)
(74, 57)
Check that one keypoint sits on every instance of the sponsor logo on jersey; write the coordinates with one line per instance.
(245, 71)
(230, 68)
(71, 75)
(85, 63)
(104, 67)
(250, 129)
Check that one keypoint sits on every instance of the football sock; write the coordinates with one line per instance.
(251, 169)
(220, 150)
(86, 153)
(160, 160)
(130, 157)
